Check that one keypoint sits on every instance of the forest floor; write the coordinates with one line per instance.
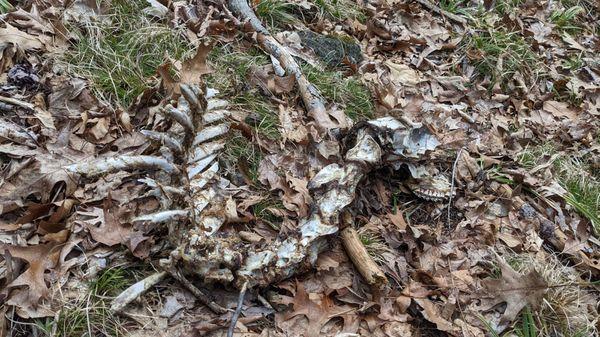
(510, 89)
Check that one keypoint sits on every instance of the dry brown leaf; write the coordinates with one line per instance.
(39, 176)
(103, 226)
(433, 314)
(295, 196)
(11, 34)
(318, 314)
(268, 81)
(560, 109)
(514, 289)
(40, 258)
(403, 75)
(193, 69)
(292, 128)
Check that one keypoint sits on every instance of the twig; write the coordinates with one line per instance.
(452, 178)
(17, 102)
(238, 310)
(200, 295)
(360, 257)
(442, 12)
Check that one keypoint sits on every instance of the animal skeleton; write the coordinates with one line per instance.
(189, 167)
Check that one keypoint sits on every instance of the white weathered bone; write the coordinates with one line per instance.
(164, 139)
(163, 216)
(209, 133)
(204, 150)
(180, 115)
(215, 116)
(121, 163)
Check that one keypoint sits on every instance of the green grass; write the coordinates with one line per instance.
(500, 55)
(276, 13)
(525, 328)
(574, 63)
(451, 6)
(583, 194)
(565, 19)
(264, 117)
(5, 6)
(348, 91)
(90, 315)
(532, 156)
(120, 51)
(231, 64)
(374, 243)
(241, 155)
(574, 174)
(507, 6)
(340, 10)
(232, 68)
(262, 211)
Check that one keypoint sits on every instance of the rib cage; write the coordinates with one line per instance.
(188, 159)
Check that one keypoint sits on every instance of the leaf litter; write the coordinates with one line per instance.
(502, 97)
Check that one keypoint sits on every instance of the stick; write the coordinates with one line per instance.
(238, 310)
(452, 185)
(361, 259)
(135, 291)
(17, 102)
(200, 295)
(442, 12)
(313, 101)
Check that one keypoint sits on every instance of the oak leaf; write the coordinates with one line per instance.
(40, 258)
(515, 290)
(317, 314)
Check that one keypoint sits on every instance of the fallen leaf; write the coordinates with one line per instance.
(192, 69)
(433, 314)
(317, 313)
(39, 258)
(515, 290)
(11, 34)
(403, 75)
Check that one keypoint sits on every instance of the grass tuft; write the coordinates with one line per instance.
(341, 10)
(263, 211)
(566, 309)
(376, 246)
(90, 315)
(574, 63)
(500, 55)
(350, 92)
(565, 19)
(583, 191)
(533, 156)
(507, 7)
(5, 6)
(264, 116)
(574, 174)
(241, 156)
(119, 51)
(276, 13)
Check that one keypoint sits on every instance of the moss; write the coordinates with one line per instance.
(333, 50)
